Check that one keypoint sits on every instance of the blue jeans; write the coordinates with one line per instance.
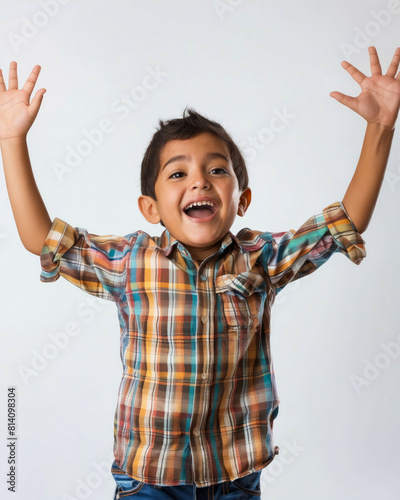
(242, 488)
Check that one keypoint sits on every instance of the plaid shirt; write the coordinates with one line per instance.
(198, 397)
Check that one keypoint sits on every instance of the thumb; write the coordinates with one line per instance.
(346, 100)
(34, 106)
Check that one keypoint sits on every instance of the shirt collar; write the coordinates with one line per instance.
(168, 242)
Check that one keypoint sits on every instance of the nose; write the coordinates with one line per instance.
(199, 181)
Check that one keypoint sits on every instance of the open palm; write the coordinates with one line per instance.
(379, 100)
(16, 113)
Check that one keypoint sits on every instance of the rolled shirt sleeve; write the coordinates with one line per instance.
(295, 254)
(96, 264)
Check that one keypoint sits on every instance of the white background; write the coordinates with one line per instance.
(236, 65)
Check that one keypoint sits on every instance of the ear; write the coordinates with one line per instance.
(244, 202)
(148, 208)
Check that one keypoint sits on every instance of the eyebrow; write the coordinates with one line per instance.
(208, 156)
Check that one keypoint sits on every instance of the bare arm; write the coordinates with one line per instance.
(379, 104)
(363, 190)
(16, 117)
(30, 214)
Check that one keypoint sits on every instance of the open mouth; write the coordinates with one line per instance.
(200, 209)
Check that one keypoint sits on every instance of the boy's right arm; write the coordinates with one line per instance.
(16, 117)
(30, 214)
(96, 264)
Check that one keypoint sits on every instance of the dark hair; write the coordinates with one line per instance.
(185, 128)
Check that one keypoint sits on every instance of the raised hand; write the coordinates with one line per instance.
(16, 113)
(379, 100)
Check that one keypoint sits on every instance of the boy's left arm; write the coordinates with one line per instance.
(378, 103)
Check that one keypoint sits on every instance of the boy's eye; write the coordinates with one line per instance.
(175, 175)
(219, 170)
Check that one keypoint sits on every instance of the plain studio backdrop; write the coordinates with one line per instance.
(264, 70)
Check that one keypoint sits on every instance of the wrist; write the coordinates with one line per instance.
(381, 127)
(13, 141)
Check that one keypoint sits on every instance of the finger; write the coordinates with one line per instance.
(350, 102)
(2, 84)
(394, 65)
(12, 77)
(34, 106)
(374, 61)
(354, 72)
(32, 78)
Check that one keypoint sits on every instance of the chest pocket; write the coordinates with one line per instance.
(241, 298)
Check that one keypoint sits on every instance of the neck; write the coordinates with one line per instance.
(199, 254)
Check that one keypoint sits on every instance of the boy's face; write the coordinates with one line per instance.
(196, 170)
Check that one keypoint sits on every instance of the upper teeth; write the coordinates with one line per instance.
(199, 204)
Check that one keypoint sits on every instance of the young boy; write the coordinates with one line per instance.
(197, 398)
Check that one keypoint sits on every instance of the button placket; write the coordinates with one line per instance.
(205, 347)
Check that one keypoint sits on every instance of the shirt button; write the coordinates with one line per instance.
(204, 376)
(204, 319)
(196, 432)
(203, 278)
(254, 324)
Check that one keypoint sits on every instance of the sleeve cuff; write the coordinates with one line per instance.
(344, 232)
(348, 216)
(60, 239)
